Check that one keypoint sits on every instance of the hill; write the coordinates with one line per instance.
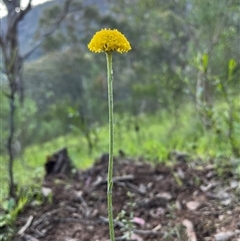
(28, 26)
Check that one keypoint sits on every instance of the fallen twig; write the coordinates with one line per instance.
(136, 231)
(28, 237)
(25, 227)
(189, 230)
(147, 232)
(44, 216)
(77, 220)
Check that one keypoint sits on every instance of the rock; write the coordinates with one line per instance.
(180, 173)
(226, 202)
(46, 191)
(178, 205)
(234, 184)
(136, 237)
(139, 221)
(165, 195)
(210, 174)
(221, 217)
(142, 188)
(224, 236)
(193, 205)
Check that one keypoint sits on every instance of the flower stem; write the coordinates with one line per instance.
(111, 137)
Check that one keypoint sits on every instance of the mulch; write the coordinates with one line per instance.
(186, 200)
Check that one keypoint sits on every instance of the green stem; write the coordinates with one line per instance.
(111, 136)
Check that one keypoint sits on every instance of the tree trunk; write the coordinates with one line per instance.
(13, 65)
(11, 139)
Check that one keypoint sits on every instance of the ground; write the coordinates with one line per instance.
(183, 201)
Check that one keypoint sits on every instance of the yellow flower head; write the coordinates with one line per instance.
(107, 40)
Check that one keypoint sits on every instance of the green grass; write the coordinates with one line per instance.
(157, 135)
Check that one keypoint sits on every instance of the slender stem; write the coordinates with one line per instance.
(111, 137)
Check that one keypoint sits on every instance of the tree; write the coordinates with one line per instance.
(13, 65)
(162, 71)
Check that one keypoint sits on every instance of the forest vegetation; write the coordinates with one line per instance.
(177, 89)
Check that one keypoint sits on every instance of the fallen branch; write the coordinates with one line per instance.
(100, 181)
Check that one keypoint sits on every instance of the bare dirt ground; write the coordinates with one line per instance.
(178, 202)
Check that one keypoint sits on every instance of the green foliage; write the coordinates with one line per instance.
(27, 195)
(160, 100)
(162, 71)
(24, 124)
(164, 46)
(153, 139)
(126, 218)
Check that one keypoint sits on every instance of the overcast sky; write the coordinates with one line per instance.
(23, 5)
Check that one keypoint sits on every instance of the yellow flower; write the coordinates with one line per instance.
(107, 40)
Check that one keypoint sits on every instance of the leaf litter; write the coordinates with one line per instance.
(182, 201)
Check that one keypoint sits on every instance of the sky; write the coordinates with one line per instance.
(24, 3)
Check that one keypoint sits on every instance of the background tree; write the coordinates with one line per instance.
(13, 65)
(180, 51)
(163, 72)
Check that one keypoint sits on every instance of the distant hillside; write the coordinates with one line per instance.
(28, 26)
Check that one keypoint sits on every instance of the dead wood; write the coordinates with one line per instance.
(101, 181)
(25, 227)
(58, 162)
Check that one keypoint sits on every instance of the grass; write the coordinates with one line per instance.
(157, 135)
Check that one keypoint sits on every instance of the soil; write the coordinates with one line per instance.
(183, 201)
